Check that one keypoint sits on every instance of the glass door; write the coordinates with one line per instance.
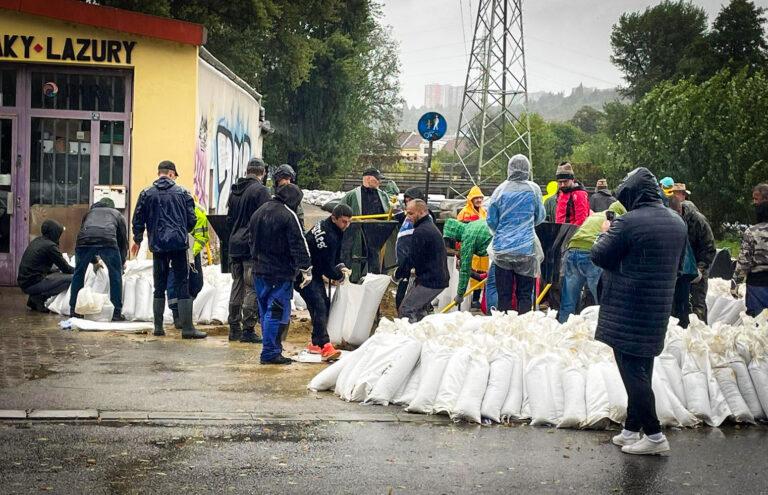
(9, 161)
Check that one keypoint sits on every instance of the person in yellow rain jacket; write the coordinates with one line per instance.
(472, 211)
(200, 235)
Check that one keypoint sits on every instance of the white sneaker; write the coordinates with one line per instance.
(621, 440)
(646, 446)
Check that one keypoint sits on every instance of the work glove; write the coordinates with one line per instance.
(306, 278)
(734, 289)
(698, 277)
(342, 268)
(458, 300)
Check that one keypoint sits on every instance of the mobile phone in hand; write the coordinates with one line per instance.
(610, 215)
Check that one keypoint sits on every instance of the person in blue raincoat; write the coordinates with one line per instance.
(514, 210)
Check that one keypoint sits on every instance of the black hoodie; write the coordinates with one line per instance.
(247, 195)
(640, 255)
(278, 246)
(41, 254)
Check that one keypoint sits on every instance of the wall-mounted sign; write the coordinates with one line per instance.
(15, 46)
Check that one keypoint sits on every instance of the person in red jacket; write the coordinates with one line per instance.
(573, 200)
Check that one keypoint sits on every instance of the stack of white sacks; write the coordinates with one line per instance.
(508, 367)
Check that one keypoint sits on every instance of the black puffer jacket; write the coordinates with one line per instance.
(247, 195)
(41, 254)
(640, 255)
(167, 211)
(104, 226)
(427, 255)
(601, 200)
(699, 235)
(324, 240)
(278, 246)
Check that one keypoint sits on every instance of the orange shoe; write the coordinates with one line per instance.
(314, 349)
(330, 353)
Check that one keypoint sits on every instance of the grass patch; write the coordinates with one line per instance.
(730, 243)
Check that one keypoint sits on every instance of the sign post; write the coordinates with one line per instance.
(432, 126)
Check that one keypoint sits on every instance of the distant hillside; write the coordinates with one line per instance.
(551, 106)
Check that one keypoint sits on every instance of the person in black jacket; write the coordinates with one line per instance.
(103, 234)
(640, 253)
(602, 198)
(427, 257)
(704, 250)
(247, 195)
(280, 254)
(324, 241)
(167, 212)
(36, 277)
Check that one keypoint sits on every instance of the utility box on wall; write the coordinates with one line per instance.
(115, 193)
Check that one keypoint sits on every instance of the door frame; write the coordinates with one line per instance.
(8, 261)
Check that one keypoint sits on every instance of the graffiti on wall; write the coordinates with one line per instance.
(228, 137)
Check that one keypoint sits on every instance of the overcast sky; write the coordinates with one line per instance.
(567, 42)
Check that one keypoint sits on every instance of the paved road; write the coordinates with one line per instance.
(324, 445)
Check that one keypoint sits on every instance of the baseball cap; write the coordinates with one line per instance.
(167, 165)
(373, 172)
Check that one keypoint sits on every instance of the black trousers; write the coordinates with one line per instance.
(162, 264)
(636, 373)
(52, 285)
(681, 303)
(523, 287)
(319, 305)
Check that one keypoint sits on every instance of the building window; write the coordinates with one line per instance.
(7, 88)
(60, 168)
(68, 91)
(111, 138)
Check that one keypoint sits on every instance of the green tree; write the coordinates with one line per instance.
(738, 38)
(588, 119)
(616, 113)
(601, 151)
(712, 135)
(650, 46)
(567, 136)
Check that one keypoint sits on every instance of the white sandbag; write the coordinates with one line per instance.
(499, 378)
(664, 411)
(59, 303)
(470, 399)
(726, 379)
(747, 389)
(696, 389)
(408, 391)
(202, 307)
(370, 370)
(682, 416)
(596, 395)
(374, 287)
(574, 394)
(89, 302)
(352, 359)
(396, 374)
(724, 309)
(129, 297)
(513, 404)
(452, 381)
(344, 309)
(326, 379)
(758, 371)
(220, 307)
(298, 302)
(617, 394)
(143, 296)
(97, 280)
(673, 373)
(434, 359)
(106, 313)
(539, 383)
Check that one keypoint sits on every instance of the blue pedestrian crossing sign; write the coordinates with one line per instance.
(432, 126)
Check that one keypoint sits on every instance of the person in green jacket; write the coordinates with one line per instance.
(201, 236)
(474, 238)
(368, 199)
(578, 269)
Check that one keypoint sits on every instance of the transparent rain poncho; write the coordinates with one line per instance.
(514, 210)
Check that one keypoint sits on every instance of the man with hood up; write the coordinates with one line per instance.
(247, 196)
(514, 211)
(280, 254)
(167, 212)
(36, 277)
(103, 234)
(640, 254)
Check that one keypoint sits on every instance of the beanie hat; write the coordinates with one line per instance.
(667, 182)
(565, 171)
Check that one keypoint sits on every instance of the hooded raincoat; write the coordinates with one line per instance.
(469, 214)
(514, 211)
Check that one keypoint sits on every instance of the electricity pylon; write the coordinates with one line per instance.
(494, 116)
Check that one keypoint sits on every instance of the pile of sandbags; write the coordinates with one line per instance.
(508, 367)
(722, 307)
(319, 198)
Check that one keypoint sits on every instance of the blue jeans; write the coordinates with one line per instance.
(274, 297)
(111, 258)
(195, 284)
(756, 299)
(491, 294)
(578, 270)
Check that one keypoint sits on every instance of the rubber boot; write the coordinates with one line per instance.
(158, 308)
(188, 331)
(250, 336)
(176, 320)
(235, 332)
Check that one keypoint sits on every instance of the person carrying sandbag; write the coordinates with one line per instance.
(324, 241)
(280, 253)
(639, 253)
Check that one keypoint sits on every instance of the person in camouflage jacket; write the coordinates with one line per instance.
(752, 264)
